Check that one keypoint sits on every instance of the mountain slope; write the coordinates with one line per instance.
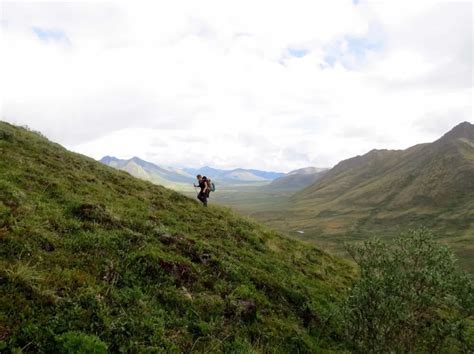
(433, 174)
(167, 176)
(297, 179)
(86, 250)
(388, 191)
(179, 179)
(236, 175)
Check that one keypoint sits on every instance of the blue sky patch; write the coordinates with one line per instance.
(352, 51)
(298, 53)
(330, 60)
(359, 46)
(51, 35)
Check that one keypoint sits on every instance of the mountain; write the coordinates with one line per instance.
(205, 171)
(387, 191)
(434, 174)
(178, 178)
(167, 176)
(236, 175)
(92, 257)
(297, 179)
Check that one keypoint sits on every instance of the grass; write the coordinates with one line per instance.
(92, 258)
(331, 231)
(247, 199)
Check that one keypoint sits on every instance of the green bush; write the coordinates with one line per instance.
(80, 343)
(410, 297)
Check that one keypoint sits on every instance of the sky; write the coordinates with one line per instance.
(273, 85)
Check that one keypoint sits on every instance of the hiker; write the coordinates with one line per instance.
(204, 192)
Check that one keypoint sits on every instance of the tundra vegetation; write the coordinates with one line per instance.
(93, 260)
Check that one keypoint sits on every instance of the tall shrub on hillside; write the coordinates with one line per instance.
(410, 297)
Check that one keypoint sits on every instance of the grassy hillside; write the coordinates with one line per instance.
(90, 254)
(385, 192)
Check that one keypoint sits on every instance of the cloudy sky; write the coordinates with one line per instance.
(259, 84)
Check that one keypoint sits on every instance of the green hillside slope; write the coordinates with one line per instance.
(86, 250)
(389, 191)
(435, 174)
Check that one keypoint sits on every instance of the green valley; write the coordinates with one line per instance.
(383, 192)
(243, 177)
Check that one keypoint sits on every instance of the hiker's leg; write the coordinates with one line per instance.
(202, 198)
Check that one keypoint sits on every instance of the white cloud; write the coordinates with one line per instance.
(267, 84)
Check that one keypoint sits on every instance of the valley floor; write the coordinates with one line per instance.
(333, 232)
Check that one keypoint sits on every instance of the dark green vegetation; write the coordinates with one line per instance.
(384, 192)
(410, 298)
(91, 257)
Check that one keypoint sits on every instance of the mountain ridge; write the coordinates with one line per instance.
(377, 162)
(169, 176)
(463, 130)
(389, 191)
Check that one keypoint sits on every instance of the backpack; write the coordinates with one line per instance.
(211, 185)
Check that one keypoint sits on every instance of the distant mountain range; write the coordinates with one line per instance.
(173, 177)
(238, 174)
(386, 191)
(137, 167)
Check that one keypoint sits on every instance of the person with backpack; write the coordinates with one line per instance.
(204, 192)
